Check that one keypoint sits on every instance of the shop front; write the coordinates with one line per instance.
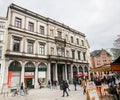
(29, 75)
(14, 74)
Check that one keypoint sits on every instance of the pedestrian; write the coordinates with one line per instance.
(40, 83)
(21, 89)
(65, 86)
(75, 84)
(84, 86)
(68, 85)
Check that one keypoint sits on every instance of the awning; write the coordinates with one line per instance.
(102, 68)
(81, 74)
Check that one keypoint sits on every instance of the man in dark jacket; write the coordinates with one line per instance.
(65, 86)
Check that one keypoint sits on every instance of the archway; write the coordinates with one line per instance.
(42, 73)
(29, 75)
(14, 74)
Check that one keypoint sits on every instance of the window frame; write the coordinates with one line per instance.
(16, 47)
(18, 22)
(41, 49)
(30, 47)
(0, 51)
(31, 26)
(42, 29)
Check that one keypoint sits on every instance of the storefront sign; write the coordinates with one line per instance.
(29, 74)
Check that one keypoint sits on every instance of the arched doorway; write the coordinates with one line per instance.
(29, 75)
(42, 73)
(14, 74)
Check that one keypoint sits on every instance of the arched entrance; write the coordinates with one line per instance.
(42, 73)
(14, 74)
(29, 75)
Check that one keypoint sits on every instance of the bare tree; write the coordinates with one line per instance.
(117, 42)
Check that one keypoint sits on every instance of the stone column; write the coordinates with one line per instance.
(36, 76)
(66, 72)
(63, 72)
(71, 73)
(22, 72)
(48, 72)
(56, 74)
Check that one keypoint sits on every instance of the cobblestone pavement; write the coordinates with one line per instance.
(49, 94)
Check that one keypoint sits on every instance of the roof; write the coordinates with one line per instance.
(117, 60)
(96, 53)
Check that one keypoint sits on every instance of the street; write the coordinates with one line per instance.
(49, 94)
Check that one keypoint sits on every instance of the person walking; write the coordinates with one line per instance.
(21, 89)
(84, 86)
(65, 86)
(75, 84)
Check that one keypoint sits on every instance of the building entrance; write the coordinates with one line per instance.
(28, 82)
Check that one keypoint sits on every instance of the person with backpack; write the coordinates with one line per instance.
(65, 86)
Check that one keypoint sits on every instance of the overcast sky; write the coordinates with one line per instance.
(99, 20)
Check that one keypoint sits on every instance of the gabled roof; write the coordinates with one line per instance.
(96, 53)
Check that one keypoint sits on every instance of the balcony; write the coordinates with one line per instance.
(59, 58)
(60, 40)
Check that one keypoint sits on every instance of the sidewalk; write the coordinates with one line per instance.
(49, 94)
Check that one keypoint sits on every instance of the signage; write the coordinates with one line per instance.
(91, 85)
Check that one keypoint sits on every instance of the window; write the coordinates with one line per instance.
(73, 54)
(1, 36)
(84, 54)
(0, 67)
(18, 22)
(42, 29)
(31, 26)
(60, 52)
(78, 55)
(82, 42)
(51, 32)
(59, 34)
(16, 45)
(2, 24)
(0, 52)
(66, 37)
(30, 47)
(42, 49)
(67, 53)
(77, 41)
(71, 39)
(52, 51)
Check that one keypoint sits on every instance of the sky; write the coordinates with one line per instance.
(99, 20)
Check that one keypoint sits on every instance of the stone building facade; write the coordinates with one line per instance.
(3, 31)
(40, 48)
